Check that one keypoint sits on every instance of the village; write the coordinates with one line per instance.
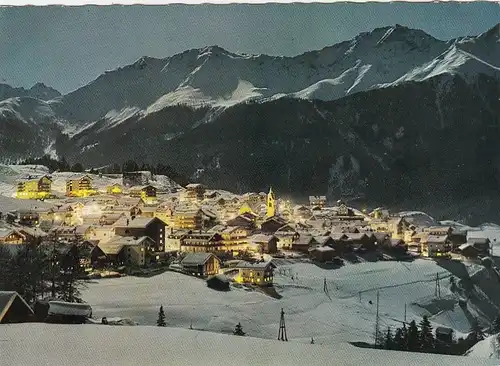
(132, 227)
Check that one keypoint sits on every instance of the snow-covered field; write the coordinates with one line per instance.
(345, 314)
(75, 345)
(488, 347)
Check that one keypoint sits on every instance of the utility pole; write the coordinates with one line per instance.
(377, 322)
(437, 291)
(405, 312)
(282, 331)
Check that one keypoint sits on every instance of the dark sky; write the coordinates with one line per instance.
(67, 47)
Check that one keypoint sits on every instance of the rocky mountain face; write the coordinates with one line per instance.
(392, 114)
(37, 91)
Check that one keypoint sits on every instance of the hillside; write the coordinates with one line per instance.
(28, 344)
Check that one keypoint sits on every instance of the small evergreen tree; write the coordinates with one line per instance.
(312, 340)
(426, 337)
(161, 318)
(453, 284)
(238, 330)
(389, 340)
(398, 341)
(413, 337)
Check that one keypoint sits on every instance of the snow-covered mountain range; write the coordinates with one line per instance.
(373, 110)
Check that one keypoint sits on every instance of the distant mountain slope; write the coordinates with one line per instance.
(38, 91)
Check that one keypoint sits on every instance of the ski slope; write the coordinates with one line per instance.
(344, 314)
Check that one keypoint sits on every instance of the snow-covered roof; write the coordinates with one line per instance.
(136, 223)
(196, 258)
(69, 308)
(7, 298)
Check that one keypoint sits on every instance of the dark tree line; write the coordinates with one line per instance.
(421, 338)
(42, 270)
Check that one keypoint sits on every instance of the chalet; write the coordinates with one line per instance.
(322, 253)
(165, 214)
(242, 221)
(195, 192)
(34, 187)
(188, 218)
(147, 193)
(151, 227)
(458, 238)
(101, 233)
(361, 241)
(13, 308)
(304, 243)
(263, 243)
(201, 264)
(255, 273)
(80, 186)
(127, 250)
(91, 255)
(444, 335)
(201, 242)
(302, 212)
(110, 219)
(218, 282)
(11, 236)
(317, 201)
(483, 245)
(61, 214)
(286, 235)
(397, 226)
(69, 233)
(114, 189)
(174, 240)
(32, 232)
(439, 230)
(397, 246)
(28, 218)
(468, 251)
(272, 224)
(235, 239)
(379, 225)
(146, 211)
(436, 246)
(382, 239)
(338, 241)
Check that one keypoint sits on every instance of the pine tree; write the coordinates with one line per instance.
(427, 341)
(389, 340)
(404, 338)
(238, 330)
(413, 337)
(398, 341)
(161, 318)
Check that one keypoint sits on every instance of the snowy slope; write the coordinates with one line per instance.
(217, 77)
(488, 348)
(310, 312)
(26, 109)
(28, 344)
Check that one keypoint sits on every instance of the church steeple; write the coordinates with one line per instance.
(270, 207)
